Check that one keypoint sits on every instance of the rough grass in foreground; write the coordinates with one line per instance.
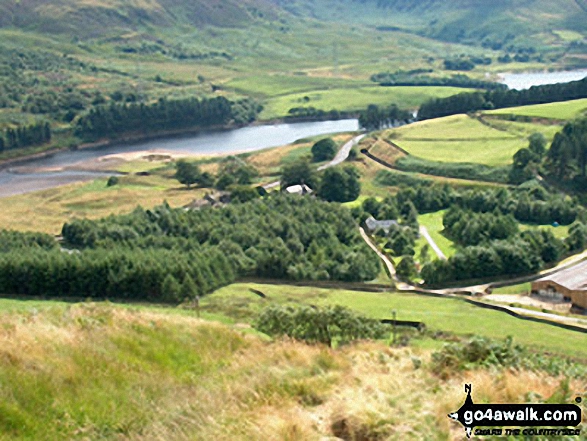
(104, 372)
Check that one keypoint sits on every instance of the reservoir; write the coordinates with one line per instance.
(520, 81)
(241, 140)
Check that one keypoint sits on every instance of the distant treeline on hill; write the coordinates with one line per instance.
(170, 254)
(25, 136)
(116, 119)
(497, 99)
(376, 118)
(416, 78)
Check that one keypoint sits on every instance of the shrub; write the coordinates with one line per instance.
(327, 325)
(483, 352)
(112, 181)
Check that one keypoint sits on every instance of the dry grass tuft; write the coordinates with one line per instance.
(100, 371)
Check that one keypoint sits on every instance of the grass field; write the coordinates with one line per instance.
(47, 210)
(522, 129)
(450, 315)
(433, 223)
(559, 111)
(461, 138)
(481, 151)
(513, 289)
(358, 98)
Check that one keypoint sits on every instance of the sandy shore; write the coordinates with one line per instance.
(111, 162)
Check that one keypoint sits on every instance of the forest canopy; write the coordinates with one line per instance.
(155, 254)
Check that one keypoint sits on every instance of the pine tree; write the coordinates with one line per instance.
(171, 290)
(189, 290)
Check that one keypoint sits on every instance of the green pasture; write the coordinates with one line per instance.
(522, 129)
(354, 99)
(454, 127)
(281, 84)
(560, 111)
(433, 223)
(446, 314)
(513, 289)
(462, 138)
(490, 152)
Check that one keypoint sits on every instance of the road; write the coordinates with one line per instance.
(401, 286)
(388, 263)
(340, 157)
(454, 292)
(546, 315)
(437, 250)
(343, 153)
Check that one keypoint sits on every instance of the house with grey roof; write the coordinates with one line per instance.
(373, 224)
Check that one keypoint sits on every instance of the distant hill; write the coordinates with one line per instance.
(98, 17)
(493, 22)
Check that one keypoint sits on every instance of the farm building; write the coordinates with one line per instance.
(372, 224)
(568, 285)
(299, 190)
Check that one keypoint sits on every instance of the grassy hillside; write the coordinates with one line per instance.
(97, 371)
(91, 17)
(462, 138)
(461, 20)
(563, 111)
(439, 314)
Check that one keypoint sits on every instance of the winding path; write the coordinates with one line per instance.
(340, 157)
(424, 232)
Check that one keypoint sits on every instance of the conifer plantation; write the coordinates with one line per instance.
(169, 254)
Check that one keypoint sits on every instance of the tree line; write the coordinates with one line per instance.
(277, 237)
(25, 136)
(119, 118)
(484, 224)
(502, 98)
(376, 118)
(523, 254)
(415, 78)
(529, 203)
(169, 254)
(566, 160)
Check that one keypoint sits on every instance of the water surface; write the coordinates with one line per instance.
(520, 81)
(19, 179)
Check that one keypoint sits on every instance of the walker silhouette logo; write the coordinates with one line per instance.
(472, 415)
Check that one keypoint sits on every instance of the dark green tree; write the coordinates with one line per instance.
(324, 150)
(187, 173)
(297, 173)
(406, 269)
(340, 185)
(189, 290)
(537, 144)
(171, 289)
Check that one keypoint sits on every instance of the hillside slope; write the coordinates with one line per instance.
(496, 21)
(98, 371)
(98, 17)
